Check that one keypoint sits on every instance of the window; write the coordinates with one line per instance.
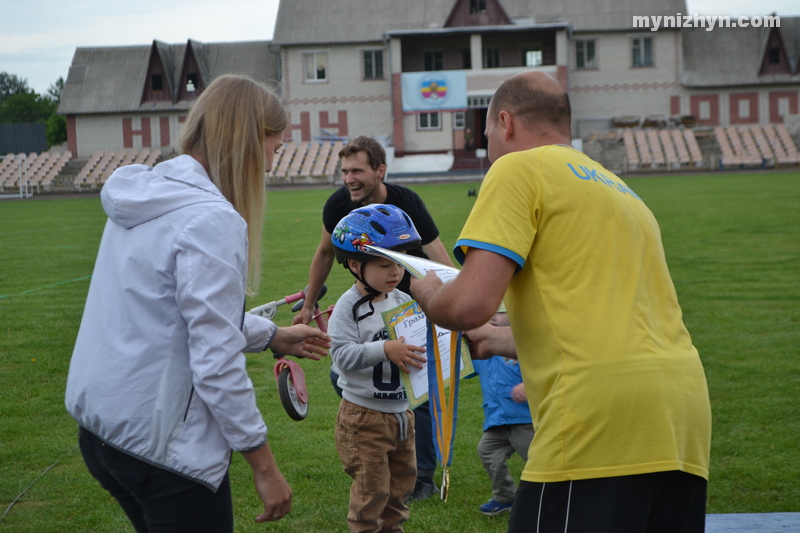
(157, 82)
(491, 58)
(642, 51)
(476, 7)
(429, 121)
(466, 58)
(584, 54)
(433, 60)
(774, 56)
(783, 107)
(705, 110)
(373, 64)
(532, 58)
(744, 108)
(478, 101)
(459, 120)
(191, 82)
(316, 66)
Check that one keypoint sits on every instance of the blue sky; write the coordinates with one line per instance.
(39, 37)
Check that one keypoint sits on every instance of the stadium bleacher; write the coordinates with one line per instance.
(671, 148)
(102, 164)
(31, 170)
(656, 148)
(306, 162)
(744, 146)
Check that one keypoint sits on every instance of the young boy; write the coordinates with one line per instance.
(507, 423)
(374, 427)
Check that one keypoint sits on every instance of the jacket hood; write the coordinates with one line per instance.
(135, 194)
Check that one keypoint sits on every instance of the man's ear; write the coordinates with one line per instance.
(505, 121)
(381, 170)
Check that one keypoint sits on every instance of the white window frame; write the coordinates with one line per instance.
(459, 120)
(639, 52)
(478, 101)
(783, 107)
(704, 110)
(312, 58)
(424, 121)
(744, 107)
(375, 54)
(584, 54)
(533, 58)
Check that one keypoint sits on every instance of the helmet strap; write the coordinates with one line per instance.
(371, 294)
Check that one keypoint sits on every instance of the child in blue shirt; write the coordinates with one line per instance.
(507, 423)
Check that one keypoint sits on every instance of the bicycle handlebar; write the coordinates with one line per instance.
(269, 310)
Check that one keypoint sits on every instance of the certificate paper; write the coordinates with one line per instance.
(417, 266)
(408, 321)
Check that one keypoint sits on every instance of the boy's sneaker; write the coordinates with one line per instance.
(493, 508)
(423, 489)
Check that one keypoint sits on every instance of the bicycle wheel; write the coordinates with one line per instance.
(296, 409)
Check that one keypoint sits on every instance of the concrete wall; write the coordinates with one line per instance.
(345, 103)
(428, 140)
(615, 87)
(129, 130)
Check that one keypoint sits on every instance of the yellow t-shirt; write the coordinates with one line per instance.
(614, 383)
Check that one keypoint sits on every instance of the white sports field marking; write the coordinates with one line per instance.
(45, 287)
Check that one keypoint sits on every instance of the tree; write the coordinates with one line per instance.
(56, 130)
(55, 89)
(24, 108)
(11, 84)
(19, 104)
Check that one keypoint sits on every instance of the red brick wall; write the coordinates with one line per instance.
(734, 100)
(774, 97)
(128, 132)
(72, 135)
(713, 100)
(341, 125)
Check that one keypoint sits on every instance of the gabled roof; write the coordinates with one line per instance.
(733, 56)
(355, 21)
(200, 51)
(169, 59)
(112, 79)
(469, 13)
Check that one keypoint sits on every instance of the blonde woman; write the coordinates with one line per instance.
(157, 381)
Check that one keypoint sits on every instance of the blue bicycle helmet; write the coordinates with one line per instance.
(380, 225)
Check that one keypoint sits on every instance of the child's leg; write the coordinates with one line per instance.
(520, 436)
(364, 447)
(403, 468)
(494, 450)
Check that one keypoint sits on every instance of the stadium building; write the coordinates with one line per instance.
(648, 88)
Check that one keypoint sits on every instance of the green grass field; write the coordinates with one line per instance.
(733, 246)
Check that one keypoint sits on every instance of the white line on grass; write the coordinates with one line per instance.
(46, 287)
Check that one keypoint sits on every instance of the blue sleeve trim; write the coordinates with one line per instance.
(459, 251)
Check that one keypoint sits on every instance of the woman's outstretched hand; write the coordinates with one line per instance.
(301, 340)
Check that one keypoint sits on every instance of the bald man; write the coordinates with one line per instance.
(617, 391)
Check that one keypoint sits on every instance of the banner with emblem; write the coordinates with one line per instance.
(434, 91)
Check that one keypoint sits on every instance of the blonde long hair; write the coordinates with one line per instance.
(225, 131)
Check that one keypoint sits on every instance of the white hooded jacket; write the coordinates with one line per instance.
(158, 370)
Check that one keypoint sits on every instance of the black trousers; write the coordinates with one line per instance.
(661, 502)
(156, 500)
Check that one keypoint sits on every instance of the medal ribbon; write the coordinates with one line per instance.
(443, 410)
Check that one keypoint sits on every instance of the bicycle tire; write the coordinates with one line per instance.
(296, 409)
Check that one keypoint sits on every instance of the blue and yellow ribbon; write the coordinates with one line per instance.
(443, 410)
